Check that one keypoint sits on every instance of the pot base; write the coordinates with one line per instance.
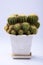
(21, 56)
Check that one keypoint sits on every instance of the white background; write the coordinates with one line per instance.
(8, 7)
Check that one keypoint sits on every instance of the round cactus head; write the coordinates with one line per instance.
(12, 20)
(21, 19)
(32, 19)
(25, 26)
(33, 29)
(24, 18)
(6, 27)
(37, 24)
(20, 32)
(13, 32)
(11, 27)
(28, 32)
(9, 31)
(17, 27)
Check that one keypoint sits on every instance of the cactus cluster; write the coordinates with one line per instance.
(22, 25)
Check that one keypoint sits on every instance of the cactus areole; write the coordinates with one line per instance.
(22, 25)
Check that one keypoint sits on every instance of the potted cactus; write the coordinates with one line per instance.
(21, 29)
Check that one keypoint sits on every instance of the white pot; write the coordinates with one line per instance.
(21, 45)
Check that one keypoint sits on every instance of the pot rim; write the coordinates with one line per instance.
(21, 35)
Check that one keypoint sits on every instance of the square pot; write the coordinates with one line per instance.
(21, 46)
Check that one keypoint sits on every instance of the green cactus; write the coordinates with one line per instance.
(21, 19)
(25, 18)
(9, 20)
(9, 31)
(37, 24)
(17, 27)
(28, 32)
(21, 24)
(33, 29)
(25, 26)
(12, 20)
(20, 32)
(11, 27)
(32, 19)
(6, 27)
(13, 32)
